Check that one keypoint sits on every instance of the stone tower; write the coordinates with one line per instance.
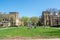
(45, 15)
(15, 18)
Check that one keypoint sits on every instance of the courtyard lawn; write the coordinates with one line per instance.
(46, 32)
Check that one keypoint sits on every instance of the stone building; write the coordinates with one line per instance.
(50, 19)
(10, 19)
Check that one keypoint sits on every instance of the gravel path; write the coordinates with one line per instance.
(25, 38)
(32, 39)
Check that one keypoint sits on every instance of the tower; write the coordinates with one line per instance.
(14, 18)
(45, 15)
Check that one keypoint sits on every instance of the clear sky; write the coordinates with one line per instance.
(28, 7)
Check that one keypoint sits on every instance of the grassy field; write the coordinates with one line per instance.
(47, 32)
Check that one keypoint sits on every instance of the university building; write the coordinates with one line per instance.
(10, 19)
(50, 19)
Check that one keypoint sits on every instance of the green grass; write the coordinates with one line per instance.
(24, 32)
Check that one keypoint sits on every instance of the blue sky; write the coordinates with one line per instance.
(28, 8)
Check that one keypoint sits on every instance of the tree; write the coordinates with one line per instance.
(40, 21)
(52, 10)
(25, 20)
(34, 20)
(1, 16)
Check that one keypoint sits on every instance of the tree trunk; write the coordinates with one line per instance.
(35, 25)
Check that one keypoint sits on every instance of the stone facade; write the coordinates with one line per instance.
(10, 19)
(50, 19)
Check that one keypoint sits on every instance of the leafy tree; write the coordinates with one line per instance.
(25, 20)
(34, 20)
(40, 21)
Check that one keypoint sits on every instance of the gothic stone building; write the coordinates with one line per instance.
(10, 19)
(50, 19)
